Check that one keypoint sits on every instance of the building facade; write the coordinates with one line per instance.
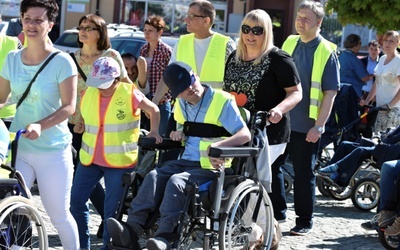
(134, 12)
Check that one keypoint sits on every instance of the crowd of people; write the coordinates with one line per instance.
(95, 101)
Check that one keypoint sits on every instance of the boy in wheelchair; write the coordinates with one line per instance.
(349, 156)
(164, 187)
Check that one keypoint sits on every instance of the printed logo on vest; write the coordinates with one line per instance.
(121, 114)
(120, 101)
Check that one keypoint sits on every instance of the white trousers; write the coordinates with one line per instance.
(53, 172)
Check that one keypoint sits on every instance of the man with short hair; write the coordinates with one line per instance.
(370, 62)
(163, 188)
(204, 50)
(318, 66)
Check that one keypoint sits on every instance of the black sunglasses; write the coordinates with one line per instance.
(257, 30)
(87, 29)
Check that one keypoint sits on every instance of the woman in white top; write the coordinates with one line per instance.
(386, 88)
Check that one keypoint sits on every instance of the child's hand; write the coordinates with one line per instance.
(79, 128)
(155, 135)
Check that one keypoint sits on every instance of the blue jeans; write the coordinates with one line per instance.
(389, 174)
(85, 180)
(303, 155)
(164, 188)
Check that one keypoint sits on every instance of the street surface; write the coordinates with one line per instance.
(336, 226)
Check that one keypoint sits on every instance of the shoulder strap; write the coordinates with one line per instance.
(34, 78)
(78, 67)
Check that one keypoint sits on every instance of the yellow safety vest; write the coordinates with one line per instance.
(121, 127)
(7, 43)
(212, 69)
(211, 117)
(321, 56)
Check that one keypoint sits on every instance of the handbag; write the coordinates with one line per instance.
(25, 94)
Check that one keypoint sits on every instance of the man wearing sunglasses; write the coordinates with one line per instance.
(203, 49)
(318, 68)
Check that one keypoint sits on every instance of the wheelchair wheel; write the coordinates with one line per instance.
(323, 187)
(288, 182)
(21, 225)
(389, 242)
(237, 229)
(365, 194)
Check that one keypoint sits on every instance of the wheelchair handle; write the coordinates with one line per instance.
(19, 133)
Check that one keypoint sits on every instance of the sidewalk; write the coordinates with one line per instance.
(336, 226)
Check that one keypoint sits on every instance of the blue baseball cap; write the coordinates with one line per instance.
(178, 76)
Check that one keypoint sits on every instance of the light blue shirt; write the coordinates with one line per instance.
(230, 119)
(43, 99)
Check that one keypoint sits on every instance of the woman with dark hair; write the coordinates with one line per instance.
(157, 55)
(94, 43)
(352, 70)
(44, 151)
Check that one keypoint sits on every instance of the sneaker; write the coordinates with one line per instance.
(394, 229)
(301, 231)
(371, 224)
(386, 218)
(123, 234)
(368, 225)
(328, 170)
(158, 243)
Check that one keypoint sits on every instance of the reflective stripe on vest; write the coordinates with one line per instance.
(121, 127)
(213, 112)
(212, 69)
(321, 56)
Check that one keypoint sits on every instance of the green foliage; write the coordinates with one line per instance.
(381, 15)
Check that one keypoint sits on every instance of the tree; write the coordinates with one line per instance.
(381, 15)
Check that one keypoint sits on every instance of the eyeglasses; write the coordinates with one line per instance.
(191, 16)
(87, 29)
(257, 30)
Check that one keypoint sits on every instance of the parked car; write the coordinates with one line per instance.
(67, 42)
(123, 39)
(130, 42)
(3, 27)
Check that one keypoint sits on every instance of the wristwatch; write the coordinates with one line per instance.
(320, 129)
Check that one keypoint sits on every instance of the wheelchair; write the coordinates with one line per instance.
(21, 224)
(233, 211)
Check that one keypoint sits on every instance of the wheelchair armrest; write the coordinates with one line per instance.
(225, 152)
(150, 143)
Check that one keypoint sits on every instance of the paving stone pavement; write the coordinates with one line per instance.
(336, 226)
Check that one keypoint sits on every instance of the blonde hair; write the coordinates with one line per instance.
(260, 18)
(394, 34)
